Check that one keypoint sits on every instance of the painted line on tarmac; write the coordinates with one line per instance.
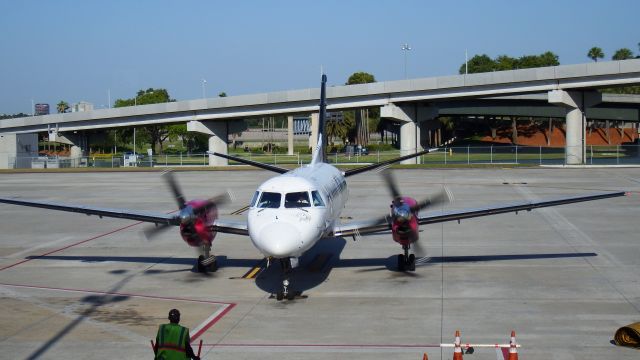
(211, 320)
(69, 246)
(197, 332)
(253, 273)
(323, 346)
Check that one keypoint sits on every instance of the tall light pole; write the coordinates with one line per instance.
(203, 82)
(405, 48)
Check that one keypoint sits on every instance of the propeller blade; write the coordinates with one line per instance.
(439, 198)
(391, 184)
(150, 232)
(175, 188)
(219, 199)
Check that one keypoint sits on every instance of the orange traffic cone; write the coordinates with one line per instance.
(424, 356)
(513, 350)
(457, 351)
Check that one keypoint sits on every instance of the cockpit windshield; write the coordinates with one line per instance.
(269, 200)
(317, 200)
(297, 200)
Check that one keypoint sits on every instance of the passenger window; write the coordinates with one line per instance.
(269, 200)
(255, 198)
(317, 200)
(297, 200)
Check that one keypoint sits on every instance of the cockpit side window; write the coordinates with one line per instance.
(269, 200)
(317, 200)
(297, 200)
(255, 199)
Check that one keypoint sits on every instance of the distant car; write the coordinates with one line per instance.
(353, 150)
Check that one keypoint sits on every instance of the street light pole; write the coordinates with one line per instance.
(405, 48)
(203, 82)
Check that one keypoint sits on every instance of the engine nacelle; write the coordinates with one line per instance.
(197, 217)
(404, 226)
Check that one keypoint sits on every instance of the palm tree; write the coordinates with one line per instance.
(62, 107)
(595, 53)
(622, 54)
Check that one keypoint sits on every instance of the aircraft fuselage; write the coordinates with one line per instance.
(291, 212)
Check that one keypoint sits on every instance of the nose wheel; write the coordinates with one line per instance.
(406, 261)
(286, 292)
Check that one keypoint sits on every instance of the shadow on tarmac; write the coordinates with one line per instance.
(314, 266)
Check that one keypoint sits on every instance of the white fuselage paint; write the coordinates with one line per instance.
(288, 232)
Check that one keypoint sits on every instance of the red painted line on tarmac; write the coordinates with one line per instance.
(70, 246)
(227, 306)
(213, 321)
(333, 346)
(117, 293)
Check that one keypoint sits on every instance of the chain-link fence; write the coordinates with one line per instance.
(455, 155)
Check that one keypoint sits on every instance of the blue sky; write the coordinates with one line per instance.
(81, 50)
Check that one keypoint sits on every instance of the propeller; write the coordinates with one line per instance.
(439, 198)
(402, 212)
(189, 212)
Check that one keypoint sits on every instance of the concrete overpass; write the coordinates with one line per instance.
(411, 102)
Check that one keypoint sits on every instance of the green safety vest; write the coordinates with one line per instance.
(172, 340)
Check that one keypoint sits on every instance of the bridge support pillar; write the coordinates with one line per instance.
(219, 133)
(575, 103)
(217, 141)
(410, 118)
(290, 135)
(18, 150)
(315, 124)
(78, 141)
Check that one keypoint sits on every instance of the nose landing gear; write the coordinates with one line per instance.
(406, 261)
(286, 292)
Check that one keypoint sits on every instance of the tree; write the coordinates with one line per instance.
(483, 63)
(222, 94)
(622, 54)
(156, 134)
(62, 107)
(361, 116)
(479, 64)
(595, 53)
(360, 78)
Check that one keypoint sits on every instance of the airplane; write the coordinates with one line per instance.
(291, 212)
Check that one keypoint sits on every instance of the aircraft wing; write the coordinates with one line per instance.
(358, 228)
(457, 215)
(230, 227)
(146, 216)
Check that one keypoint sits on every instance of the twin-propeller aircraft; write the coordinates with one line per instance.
(291, 212)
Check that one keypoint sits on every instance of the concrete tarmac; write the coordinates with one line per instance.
(564, 278)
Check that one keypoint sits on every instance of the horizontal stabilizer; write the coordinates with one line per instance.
(385, 163)
(260, 165)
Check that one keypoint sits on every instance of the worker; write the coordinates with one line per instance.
(173, 341)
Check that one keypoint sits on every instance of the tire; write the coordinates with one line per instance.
(201, 268)
(412, 262)
(213, 267)
(401, 262)
(279, 295)
(291, 295)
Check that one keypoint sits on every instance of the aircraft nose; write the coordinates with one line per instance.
(279, 239)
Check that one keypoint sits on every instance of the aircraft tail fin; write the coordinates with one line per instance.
(319, 154)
